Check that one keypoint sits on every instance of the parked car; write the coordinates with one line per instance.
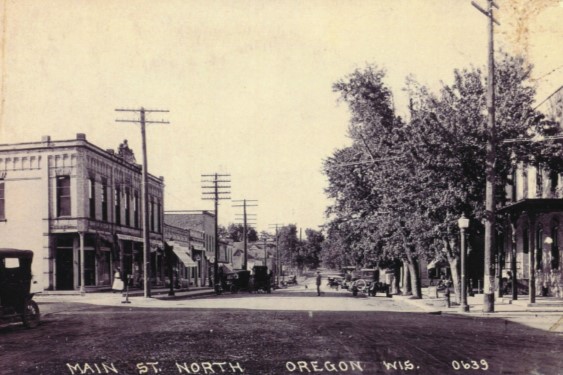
(236, 281)
(16, 300)
(335, 282)
(367, 281)
(262, 279)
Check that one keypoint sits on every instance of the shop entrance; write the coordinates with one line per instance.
(65, 269)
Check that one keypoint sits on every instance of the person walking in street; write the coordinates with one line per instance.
(319, 283)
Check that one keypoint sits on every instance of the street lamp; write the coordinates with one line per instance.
(463, 224)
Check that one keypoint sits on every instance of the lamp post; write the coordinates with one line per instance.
(463, 224)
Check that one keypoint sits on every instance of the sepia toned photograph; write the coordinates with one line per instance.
(281, 187)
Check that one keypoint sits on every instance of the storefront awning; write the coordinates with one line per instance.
(182, 253)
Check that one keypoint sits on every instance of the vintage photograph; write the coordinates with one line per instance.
(281, 187)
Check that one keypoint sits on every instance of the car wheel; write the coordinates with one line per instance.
(31, 315)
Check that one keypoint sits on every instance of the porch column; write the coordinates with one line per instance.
(500, 252)
(513, 260)
(81, 237)
(532, 258)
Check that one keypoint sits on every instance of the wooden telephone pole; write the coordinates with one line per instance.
(216, 191)
(145, 190)
(279, 269)
(245, 219)
(490, 204)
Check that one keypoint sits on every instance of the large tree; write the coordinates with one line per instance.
(448, 146)
(400, 187)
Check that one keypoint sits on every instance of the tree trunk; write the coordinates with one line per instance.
(454, 261)
(456, 280)
(415, 275)
(407, 287)
(397, 279)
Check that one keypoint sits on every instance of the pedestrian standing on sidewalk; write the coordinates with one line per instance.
(319, 283)
(118, 284)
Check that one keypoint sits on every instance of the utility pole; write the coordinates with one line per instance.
(278, 261)
(490, 204)
(265, 251)
(245, 219)
(145, 189)
(217, 191)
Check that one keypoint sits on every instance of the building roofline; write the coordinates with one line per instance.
(80, 141)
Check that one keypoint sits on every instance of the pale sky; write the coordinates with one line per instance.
(247, 83)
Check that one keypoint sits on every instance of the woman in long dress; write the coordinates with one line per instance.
(118, 284)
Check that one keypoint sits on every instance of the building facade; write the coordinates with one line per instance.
(180, 268)
(529, 244)
(78, 207)
(202, 228)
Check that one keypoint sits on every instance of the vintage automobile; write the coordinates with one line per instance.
(367, 281)
(288, 281)
(261, 279)
(335, 282)
(16, 301)
(236, 281)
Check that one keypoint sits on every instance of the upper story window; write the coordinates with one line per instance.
(136, 209)
(553, 182)
(152, 214)
(63, 196)
(104, 199)
(117, 205)
(92, 197)
(2, 201)
(127, 211)
(158, 213)
(539, 182)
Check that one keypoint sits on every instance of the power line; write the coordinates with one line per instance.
(244, 205)
(145, 191)
(216, 191)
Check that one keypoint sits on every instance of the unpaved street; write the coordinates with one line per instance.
(83, 338)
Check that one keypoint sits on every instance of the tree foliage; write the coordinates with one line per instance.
(235, 232)
(399, 189)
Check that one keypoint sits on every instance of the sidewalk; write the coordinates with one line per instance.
(546, 313)
(503, 305)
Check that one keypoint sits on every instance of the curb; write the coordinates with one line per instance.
(184, 295)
